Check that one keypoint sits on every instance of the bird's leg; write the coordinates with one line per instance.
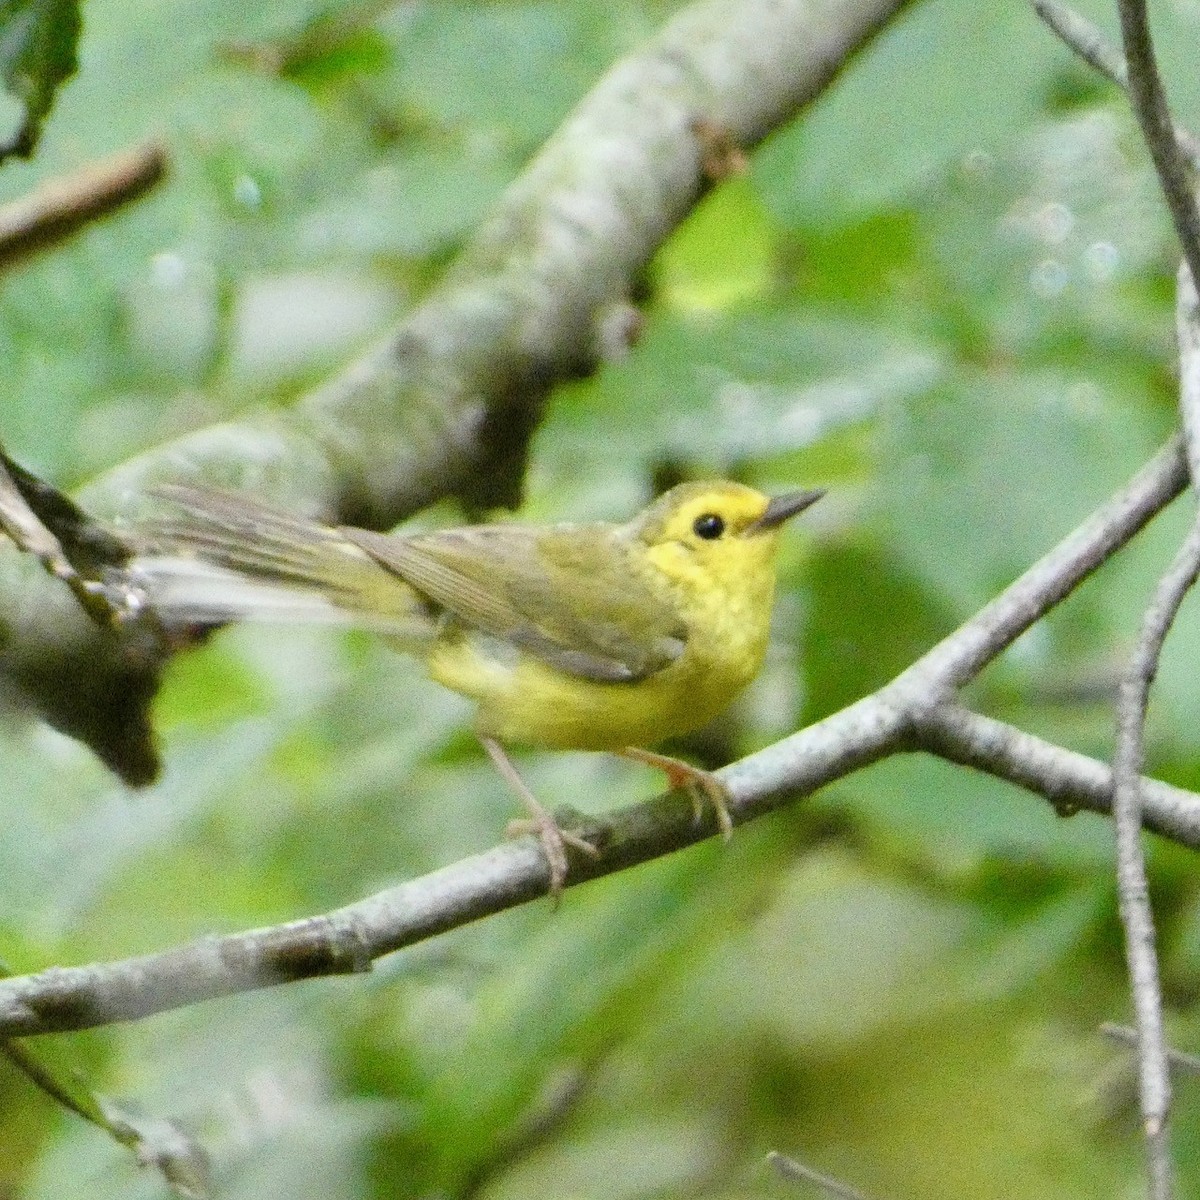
(541, 822)
(700, 784)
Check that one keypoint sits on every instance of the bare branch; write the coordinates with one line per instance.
(790, 1168)
(1088, 42)
(1133, 886)
(158, 1142)
(1070, 781)
(350, 938)
(1187, 333)
(1085, 39)
(1150, 107)
(57, 209)
(1137, 917)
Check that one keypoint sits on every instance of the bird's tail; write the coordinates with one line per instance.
(215, 557)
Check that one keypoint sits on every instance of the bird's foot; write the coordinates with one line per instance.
(700, 784)
(555, 840)
(540, 822)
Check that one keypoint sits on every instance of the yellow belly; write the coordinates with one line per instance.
(521, 699)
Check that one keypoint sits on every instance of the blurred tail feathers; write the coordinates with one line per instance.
(217, 558)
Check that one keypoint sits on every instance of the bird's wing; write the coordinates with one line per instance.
(565, 595)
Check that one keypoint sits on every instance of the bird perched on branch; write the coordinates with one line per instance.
(582, 637)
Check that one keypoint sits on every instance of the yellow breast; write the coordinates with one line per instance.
(528, 702)
(524, 700)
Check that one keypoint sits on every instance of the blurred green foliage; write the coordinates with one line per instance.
(37, 54)
(945, 295)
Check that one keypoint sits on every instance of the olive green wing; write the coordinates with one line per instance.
(566, 595)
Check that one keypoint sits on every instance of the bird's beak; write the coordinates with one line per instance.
(782, 507)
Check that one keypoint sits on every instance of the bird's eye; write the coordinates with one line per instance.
(709, 526)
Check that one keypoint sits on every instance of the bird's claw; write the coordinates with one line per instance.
(554, 840)
(699, 784)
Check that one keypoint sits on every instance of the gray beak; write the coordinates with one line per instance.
(781, 508)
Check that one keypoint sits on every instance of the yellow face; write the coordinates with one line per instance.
(711, 541)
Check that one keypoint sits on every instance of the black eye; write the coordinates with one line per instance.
(709, 526)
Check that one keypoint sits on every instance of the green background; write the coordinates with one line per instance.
(946, 295)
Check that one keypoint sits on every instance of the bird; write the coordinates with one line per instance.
(575, 636)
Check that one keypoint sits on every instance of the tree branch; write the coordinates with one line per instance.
(446, 403)
(60, 207)
(1133, 889)
(1187, 336)
(906, 714)
(1088, 42)
(1085, 39)
(797, 1172)
(1150, 107)
(1132, 883)
(1069, 781)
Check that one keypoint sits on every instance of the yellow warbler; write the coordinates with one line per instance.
(583, 637)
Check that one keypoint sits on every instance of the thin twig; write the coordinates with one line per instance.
(1180, 1059)
(1150, 107)
(60, 207)
(1089, 43)
(1187, 333)
(1085, 39)
(789, 1168)
(182, 1160)
(1137, 916)
(1069, 781)
(889, 721)
(1132, 883)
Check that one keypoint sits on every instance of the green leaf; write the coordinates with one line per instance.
(818, 997)
(37, 55)
(723, 254)
(897, 618)
(928, 127)
(719, 390)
